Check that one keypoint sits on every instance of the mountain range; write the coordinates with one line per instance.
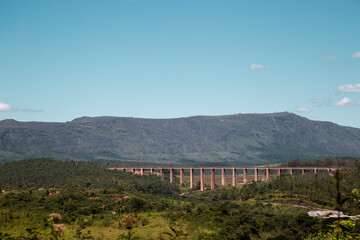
(240, 139)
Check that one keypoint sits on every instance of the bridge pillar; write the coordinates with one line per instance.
(315, 170)
(171, 175)
(162, 174)
(291, 171)
(151, 171)
(191, 177)
(212, 179)
(202, 180)
(245, 176)
(279, 172)
(234, 177)
(181, 176)
(223, 177)
(142, 171)
(256, 178)
(133, 170)
(303, 171)
(267, 174)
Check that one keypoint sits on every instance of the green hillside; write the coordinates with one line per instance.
(241, 139)
(49, 173)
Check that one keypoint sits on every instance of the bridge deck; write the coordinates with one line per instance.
(225, 167)
(245, 176)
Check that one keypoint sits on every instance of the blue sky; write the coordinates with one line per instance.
(60, 60)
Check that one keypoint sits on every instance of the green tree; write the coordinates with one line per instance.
(175, 234)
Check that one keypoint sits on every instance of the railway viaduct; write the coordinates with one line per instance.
(246, 174)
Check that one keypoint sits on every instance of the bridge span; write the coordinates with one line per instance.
(239, 175)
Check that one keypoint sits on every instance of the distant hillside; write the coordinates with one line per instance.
(234, 139)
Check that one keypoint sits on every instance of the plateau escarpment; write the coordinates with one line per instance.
(241, 139)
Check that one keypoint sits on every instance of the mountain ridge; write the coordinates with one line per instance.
(237, 139)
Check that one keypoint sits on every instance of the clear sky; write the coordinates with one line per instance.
(60, 60)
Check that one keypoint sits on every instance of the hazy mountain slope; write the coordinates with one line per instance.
(237, 139)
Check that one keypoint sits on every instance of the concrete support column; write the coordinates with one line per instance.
(133, 170)
(162, 174)
(191, 177)
(223, 177)
(202, 180)
(291, 171)
(151, 171)
(142, 171)
(171, 175)
(256, 174)
(267, 174)
(315, 170)
(234, 177)
(279, 172)
(212, 179)
(245, 176)
(303, 171)
(181, 176)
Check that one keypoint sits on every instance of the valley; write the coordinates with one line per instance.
(97, 203)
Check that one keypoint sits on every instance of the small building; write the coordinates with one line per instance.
(331, 214)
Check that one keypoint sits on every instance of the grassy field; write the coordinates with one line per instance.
(149, 226)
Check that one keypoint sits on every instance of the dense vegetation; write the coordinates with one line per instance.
(49, 173)
(118, 205)
(324, 162)
(239, 139)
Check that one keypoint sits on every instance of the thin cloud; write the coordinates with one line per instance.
(303, 109)
(350, 88)
(346, 102)
(315, 100)
(31, 110)
(343, 102)
(356, 55)
(328, 58)
(258, 66)
(5, 107)
(322, 103)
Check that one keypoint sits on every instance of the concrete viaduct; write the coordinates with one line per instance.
(248, 174)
